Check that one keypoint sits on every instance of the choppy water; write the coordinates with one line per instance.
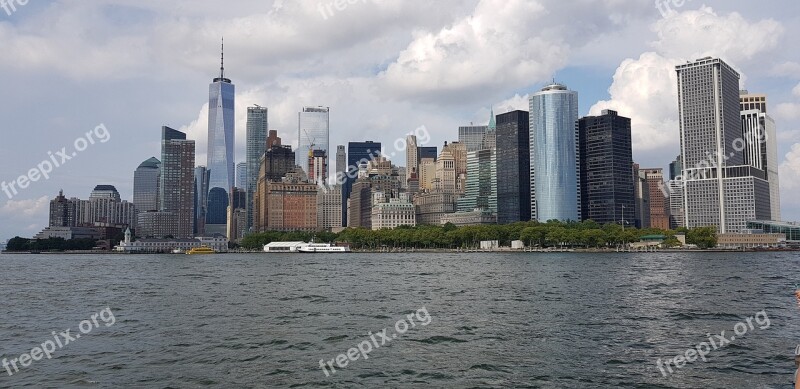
(496, 320)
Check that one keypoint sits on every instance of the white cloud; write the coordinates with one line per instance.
(790, 172)
(796, 90)
(698, 33)
(645, 88)
(787, 111)
(27, 207)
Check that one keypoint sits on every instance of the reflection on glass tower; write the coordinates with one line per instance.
(220, 147)
(554, 154)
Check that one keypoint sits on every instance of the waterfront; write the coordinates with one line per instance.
(559, 320)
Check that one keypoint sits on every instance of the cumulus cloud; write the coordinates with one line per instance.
(29, 214)
(698, 33)
(645, 88)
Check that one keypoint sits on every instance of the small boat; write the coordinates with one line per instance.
(201, 250)
(323, 248)
(178, 251)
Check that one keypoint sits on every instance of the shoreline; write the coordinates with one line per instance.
(447, 251)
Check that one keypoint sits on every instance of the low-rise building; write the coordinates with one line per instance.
(473, 218)
(755, 239)
(68, 233)
(393, 213)
(217, 242)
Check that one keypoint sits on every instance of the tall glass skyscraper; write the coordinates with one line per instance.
(513, 178)
(554, 154)
(313, 132)
(145, 185)
(257, 129)
(221, 94)
(201, 175)
(606, 157)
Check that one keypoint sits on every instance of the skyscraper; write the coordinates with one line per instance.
(177, 180)
(427, 152)
(606, 158)
(341, 163)
(659, 203)
(513, 158)
(358, 153)
(241, 175)
(221, 132)
(317, 166)
(723, 188)
(145, 185)
(313, 132)
(554, 169)
(201, 177)
(760, 132)
(480, 190)
(412, 157)
(472, 136)
(675, 168)
(257, 128)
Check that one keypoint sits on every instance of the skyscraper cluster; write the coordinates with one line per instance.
(543, 164)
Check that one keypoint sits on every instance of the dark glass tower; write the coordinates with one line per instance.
(427, 152)
(513, 162)
(357, 153)
(607, 187)
(220, 155)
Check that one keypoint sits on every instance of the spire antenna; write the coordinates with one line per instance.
(222, 60)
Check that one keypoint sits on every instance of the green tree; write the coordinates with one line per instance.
(704, 237)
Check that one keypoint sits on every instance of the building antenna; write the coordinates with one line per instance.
(222, 60)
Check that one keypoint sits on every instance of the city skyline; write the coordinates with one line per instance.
(437, 112)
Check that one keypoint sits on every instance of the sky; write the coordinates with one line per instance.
(384, 67)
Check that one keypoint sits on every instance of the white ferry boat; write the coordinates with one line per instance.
(323, 248)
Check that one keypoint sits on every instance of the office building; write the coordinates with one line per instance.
(313, 133)
(555, 186)
(659, 202)
(760, 133)
(641, 212)
(363, 192)
(431, 207)
(276, 164)
(201, 179)
(606, 158)
(318, 166)
(427, 152)
(472, 136)
(220, 154)
(291, 204)
(392, 212)
(412, 157)
(145, 185)
(341, 163)
(481, 185)
(257, 144)
(723, 188)
(675, 169)
(241, 175)
(513, 158)
(329, 208)
(427, 174)
(176, 194)
(358, 153)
